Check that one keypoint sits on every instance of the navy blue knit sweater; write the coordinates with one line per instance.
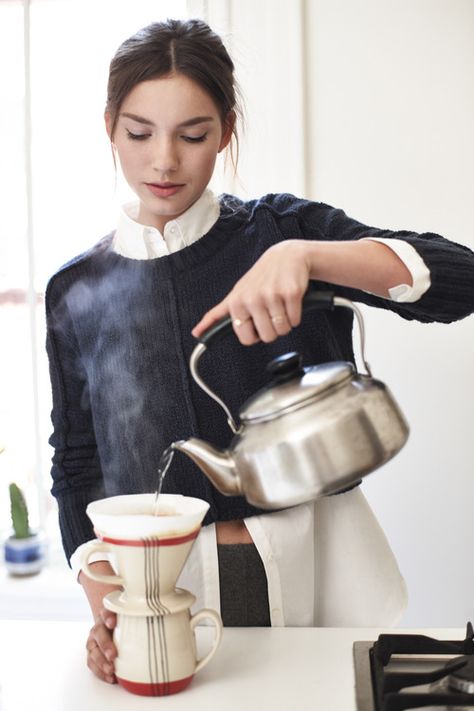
(119, 341)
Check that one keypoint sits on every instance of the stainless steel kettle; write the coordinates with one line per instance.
(309, 432)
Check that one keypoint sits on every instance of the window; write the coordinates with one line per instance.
(58, 195)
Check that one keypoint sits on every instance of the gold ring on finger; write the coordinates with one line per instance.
(238, 322)
(278, 318)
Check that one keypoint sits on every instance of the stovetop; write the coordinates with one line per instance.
(412, 671)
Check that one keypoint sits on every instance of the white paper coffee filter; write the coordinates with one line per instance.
(127, 516)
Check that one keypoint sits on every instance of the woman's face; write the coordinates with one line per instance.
(167, 138)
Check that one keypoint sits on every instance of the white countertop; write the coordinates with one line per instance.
(42, 668)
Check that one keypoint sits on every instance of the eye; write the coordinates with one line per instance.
(195, 139)
(137, 136)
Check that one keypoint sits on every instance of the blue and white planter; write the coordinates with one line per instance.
(24, 556)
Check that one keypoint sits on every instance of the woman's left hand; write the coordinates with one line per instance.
(266, 302)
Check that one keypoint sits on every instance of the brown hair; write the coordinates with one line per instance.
(188, 47)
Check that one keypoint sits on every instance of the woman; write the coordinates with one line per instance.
(121, 321)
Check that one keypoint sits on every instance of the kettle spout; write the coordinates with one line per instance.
(217, 464)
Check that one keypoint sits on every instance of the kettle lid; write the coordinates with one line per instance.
(292, 385)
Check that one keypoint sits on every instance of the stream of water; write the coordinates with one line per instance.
(163, 466)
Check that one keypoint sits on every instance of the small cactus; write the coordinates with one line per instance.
(19, 512)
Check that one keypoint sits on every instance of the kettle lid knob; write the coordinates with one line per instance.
(285, 367)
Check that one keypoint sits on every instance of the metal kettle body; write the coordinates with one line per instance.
(309, 433)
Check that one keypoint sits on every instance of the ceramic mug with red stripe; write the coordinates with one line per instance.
(157, 654)
(148, 547)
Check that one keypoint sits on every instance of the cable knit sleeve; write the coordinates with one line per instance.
(76, 472)
(450, 296)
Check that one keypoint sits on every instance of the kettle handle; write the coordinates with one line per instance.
(312, 300)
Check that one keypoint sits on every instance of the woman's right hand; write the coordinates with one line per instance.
(101, 651)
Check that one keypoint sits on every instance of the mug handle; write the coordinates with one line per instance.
(212, 615)
(96, 547)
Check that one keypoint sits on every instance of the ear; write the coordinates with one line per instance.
(108, 124)
(227, 130)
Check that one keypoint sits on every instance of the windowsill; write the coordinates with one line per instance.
(52, 594)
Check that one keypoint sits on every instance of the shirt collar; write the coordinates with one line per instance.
(138, 241)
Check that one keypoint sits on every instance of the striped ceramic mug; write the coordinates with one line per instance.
(157, 654)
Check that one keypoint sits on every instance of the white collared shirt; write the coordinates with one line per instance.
(137, 241)
(340, 543)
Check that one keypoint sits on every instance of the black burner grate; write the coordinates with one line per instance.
(387, 684)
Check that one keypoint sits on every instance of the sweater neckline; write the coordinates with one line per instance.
(233, 214)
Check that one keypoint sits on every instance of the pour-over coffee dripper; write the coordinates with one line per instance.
(148, 550)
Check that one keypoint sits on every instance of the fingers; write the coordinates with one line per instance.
(100, 666)
(293, 307)
(261, 321)
(244, 327)
(254, 321)
(101, 650)
(108, 618)
(210, 318)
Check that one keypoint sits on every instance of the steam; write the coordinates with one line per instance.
(110, 319)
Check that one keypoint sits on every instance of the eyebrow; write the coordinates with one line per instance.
(190, 122)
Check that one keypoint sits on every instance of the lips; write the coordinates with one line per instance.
(164, 189)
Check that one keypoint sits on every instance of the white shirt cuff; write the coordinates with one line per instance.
(420, 273)
(76, 559)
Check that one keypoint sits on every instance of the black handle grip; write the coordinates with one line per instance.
(312, 300)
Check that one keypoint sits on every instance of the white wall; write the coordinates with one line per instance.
(392, 112)
(389, 126)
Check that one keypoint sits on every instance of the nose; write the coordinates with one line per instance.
(165, 157)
